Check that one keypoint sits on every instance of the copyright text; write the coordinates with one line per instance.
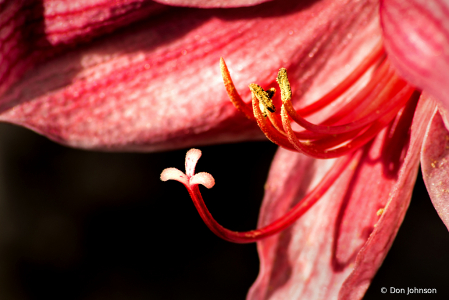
(408, 290)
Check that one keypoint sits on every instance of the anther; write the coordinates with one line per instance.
(284, 85)
(263, 96)
(263, 109)
(271, 92)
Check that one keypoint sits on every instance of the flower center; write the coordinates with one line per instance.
(346, 129)
(349, 127)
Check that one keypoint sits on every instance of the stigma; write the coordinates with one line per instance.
(191, 182)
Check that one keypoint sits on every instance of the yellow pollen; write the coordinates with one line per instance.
(263, 96)
(284, 85)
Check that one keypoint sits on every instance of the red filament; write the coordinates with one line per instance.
(353, 125)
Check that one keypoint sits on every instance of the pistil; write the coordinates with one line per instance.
(191, 182)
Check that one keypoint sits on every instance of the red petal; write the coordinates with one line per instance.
(211, 3)
(435, 166)
(417, 40)
(317, 255)
(156, 84)
(32, 31)
(374, 251)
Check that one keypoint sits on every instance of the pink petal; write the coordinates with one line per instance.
(33, 31)
(317, 255)
(417, 39)
(211, 3)
(374, 251)
(70, 21)
(435, 166)
(156, 85)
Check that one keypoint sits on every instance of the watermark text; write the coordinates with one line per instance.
(407, 290)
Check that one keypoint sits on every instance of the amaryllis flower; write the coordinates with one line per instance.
(141, 76)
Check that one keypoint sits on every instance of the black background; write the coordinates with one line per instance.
(88, 225)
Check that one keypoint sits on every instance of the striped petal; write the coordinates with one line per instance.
(435, 165)
(335, 249)
(156, 84)
(211, 3)
(416, 34)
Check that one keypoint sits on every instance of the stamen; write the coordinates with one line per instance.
(284, 85)
(350, 127)
(369, 61)
(381, 76)
(327, 147)
(232, 92)
(271, 92)
(266, 127)
(278, 225)
(380, 105)
(380, 98)
(265, 112)
(276, 122)
(263, 97)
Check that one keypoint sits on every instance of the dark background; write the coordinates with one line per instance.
(89, 225)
